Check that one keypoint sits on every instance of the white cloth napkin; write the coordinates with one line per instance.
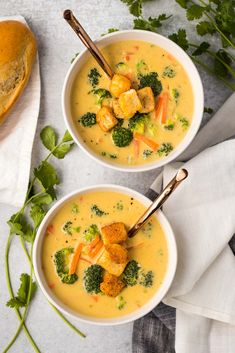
(16, 139)
(202, 214)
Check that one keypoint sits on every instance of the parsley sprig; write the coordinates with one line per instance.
(24, 224)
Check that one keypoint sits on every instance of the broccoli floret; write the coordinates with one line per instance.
(93, 276)
(175, 94)
(67, 228)
(169, 125)
(94, 77)
(184, 122)
(147, 279)
(147, 153)
(61, 261)
(131, 273)
(138, 122)
(169, 72)
(101, 94)
(165, 149)
(110, 155)
(121, 65)
(88, 119)
(120, 302)
(141, 67)
(151, 80)
(97, 211)
(91, 232)
(122, 137)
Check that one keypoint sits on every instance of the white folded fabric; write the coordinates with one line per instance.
(202, 214)
(16, 139)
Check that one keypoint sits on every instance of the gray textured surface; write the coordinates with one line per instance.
(57, 45)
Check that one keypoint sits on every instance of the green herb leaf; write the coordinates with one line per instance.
(208, 110)
(152, 24)
(180, 38)
(19, 226)
(201, 49)
(48, 137)
(182, 3)
(48, 177)
(37, 213)
(67, 137)
(21, 299)
(135, 7)
(219, 67)
(61, 151)
(194, 12)
(205, 27)
(110, 30)
(44, 199)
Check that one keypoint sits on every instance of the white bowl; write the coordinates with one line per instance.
(158, 296)
(169, 46)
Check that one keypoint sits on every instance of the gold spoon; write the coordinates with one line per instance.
(82, 34)
(159, 201)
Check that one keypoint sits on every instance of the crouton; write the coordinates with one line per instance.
(147, 99)
(117, 110)
(114, 233)
(119, 84)
(117, 253)
(111, 285)
(106, 119)
(129, 103)
(109, 265)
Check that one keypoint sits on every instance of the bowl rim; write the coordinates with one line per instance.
(150, 304)
(187, 140)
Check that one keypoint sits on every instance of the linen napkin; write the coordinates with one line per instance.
(16, 139)
(202, 214)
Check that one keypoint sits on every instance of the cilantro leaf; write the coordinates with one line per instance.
(22, 294)
(208, 110)
(48, 177)
(152, 24)
(67, 137)
(219, 67)
(110, 30)
(48, 137)
(62, 150)
(205, 27)
(44, 199)
(37, 213)
(194, 12)
(135, 7)
(180, 38)
(225, 16)
(19, 226)
(201, 49)
(182, 3)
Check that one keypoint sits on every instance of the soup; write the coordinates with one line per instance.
(84, 222)
(140, 116)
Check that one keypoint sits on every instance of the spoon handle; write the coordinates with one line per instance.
(82, 34)
(159, 201)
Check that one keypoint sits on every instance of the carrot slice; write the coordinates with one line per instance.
(136, 144)
(74, 262)
(94, 242)
(94, 251)
(164, 107)
(158, 110)
(150, 143)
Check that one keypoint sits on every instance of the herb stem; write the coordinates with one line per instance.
(10, 290)
(208, 69)
(25, 310)
(67, 321)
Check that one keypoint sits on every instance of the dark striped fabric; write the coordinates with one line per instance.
(155, 332)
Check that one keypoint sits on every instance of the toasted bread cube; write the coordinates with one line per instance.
(114, 233)
(147, 99)
(119, 84)
(111, 285)
(129, 103)
(109, 265)
(117, 253)
(106, 119)
(117, 110)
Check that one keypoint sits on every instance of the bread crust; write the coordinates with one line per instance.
(18, 49)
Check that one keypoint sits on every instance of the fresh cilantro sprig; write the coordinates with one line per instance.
(24, 224)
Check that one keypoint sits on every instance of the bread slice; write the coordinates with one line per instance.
(18, 50)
